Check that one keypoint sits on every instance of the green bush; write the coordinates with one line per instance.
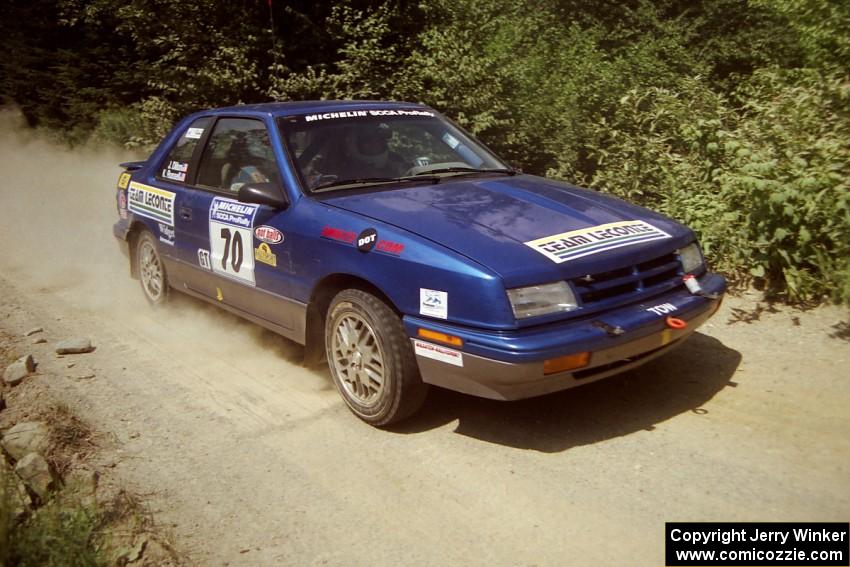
(761, 177)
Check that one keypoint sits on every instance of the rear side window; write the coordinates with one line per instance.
(176, 167)
(239, 151)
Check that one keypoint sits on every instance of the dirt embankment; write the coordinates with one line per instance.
(253, 460)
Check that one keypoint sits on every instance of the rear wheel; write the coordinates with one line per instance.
(371, 360)
(151, 270)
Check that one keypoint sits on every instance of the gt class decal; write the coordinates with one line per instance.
(592, 240)
(268, 234)
(150, 202)
(231, 239)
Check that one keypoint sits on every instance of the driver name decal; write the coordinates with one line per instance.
(592, 240)
(150, 202)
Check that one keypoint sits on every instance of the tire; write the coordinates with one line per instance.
(371, 360)
(151, 270)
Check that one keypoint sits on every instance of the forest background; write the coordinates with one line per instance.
(731, 116)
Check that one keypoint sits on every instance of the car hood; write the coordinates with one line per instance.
(489, 220)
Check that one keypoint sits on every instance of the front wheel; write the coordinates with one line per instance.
(151, 270)
(371, 359)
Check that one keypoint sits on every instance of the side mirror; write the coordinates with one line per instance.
(262, 194)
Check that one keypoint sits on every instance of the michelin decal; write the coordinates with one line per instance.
(592, 240)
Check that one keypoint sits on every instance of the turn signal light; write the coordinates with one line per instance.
(440, 337)
(564, 363)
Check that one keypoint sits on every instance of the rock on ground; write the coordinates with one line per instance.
(24, 438)
(33, 331)
(18, 370)
(74, 346)
(34, 471)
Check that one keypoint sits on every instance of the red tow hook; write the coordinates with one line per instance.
(676, 323)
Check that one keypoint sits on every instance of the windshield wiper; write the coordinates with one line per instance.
(503, 171)
(366, 181)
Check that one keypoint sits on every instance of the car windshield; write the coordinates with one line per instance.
(373, 147)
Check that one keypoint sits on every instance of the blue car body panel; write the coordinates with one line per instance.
(465, 236)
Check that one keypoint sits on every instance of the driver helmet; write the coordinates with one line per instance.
(368, 144)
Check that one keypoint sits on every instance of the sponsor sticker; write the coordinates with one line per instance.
(436, 352)
(390, 247)
(366, 240)
(166, 234)
(348, 236)
(592, 240)
(264, 254)
(433, 303)
(152, 203)
(194, 133)
(366, 114)
(268, 234)
(123, 180)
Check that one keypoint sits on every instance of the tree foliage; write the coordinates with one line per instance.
(730, 115)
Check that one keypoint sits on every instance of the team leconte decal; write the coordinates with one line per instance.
(433, 303)
(204, 258)
(123, 180)
(152, 203)
(166, 234)
(592, 240)
(176, 170)
(366, 240)
(265, 255)
(231, 234)
(366, 113)
(268, 234)
(443, 354)
(194, 133)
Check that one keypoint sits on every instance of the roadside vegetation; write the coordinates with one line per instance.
(730, 115)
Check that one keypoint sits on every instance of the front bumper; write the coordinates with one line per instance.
(509, 365)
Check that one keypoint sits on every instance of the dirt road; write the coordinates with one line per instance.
(254, 460)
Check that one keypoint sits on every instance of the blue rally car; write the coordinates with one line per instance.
(392, 243)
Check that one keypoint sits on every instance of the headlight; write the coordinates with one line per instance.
(691, 257)
(537, 300)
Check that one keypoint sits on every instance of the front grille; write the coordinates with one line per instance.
(615, 287)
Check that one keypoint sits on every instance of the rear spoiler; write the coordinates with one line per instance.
(133, 165)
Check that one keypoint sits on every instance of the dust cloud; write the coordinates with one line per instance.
(56, 240)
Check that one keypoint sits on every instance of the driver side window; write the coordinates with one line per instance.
(238, 152)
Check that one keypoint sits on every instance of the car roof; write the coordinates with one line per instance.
(307, 107)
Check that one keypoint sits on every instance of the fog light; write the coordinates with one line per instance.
(440, 337)
(564, 363)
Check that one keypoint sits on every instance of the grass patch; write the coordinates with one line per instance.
(62, 532)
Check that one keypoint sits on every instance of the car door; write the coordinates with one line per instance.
(239, 251)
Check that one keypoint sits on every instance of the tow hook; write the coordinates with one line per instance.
(612, 330)
(676, 323)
